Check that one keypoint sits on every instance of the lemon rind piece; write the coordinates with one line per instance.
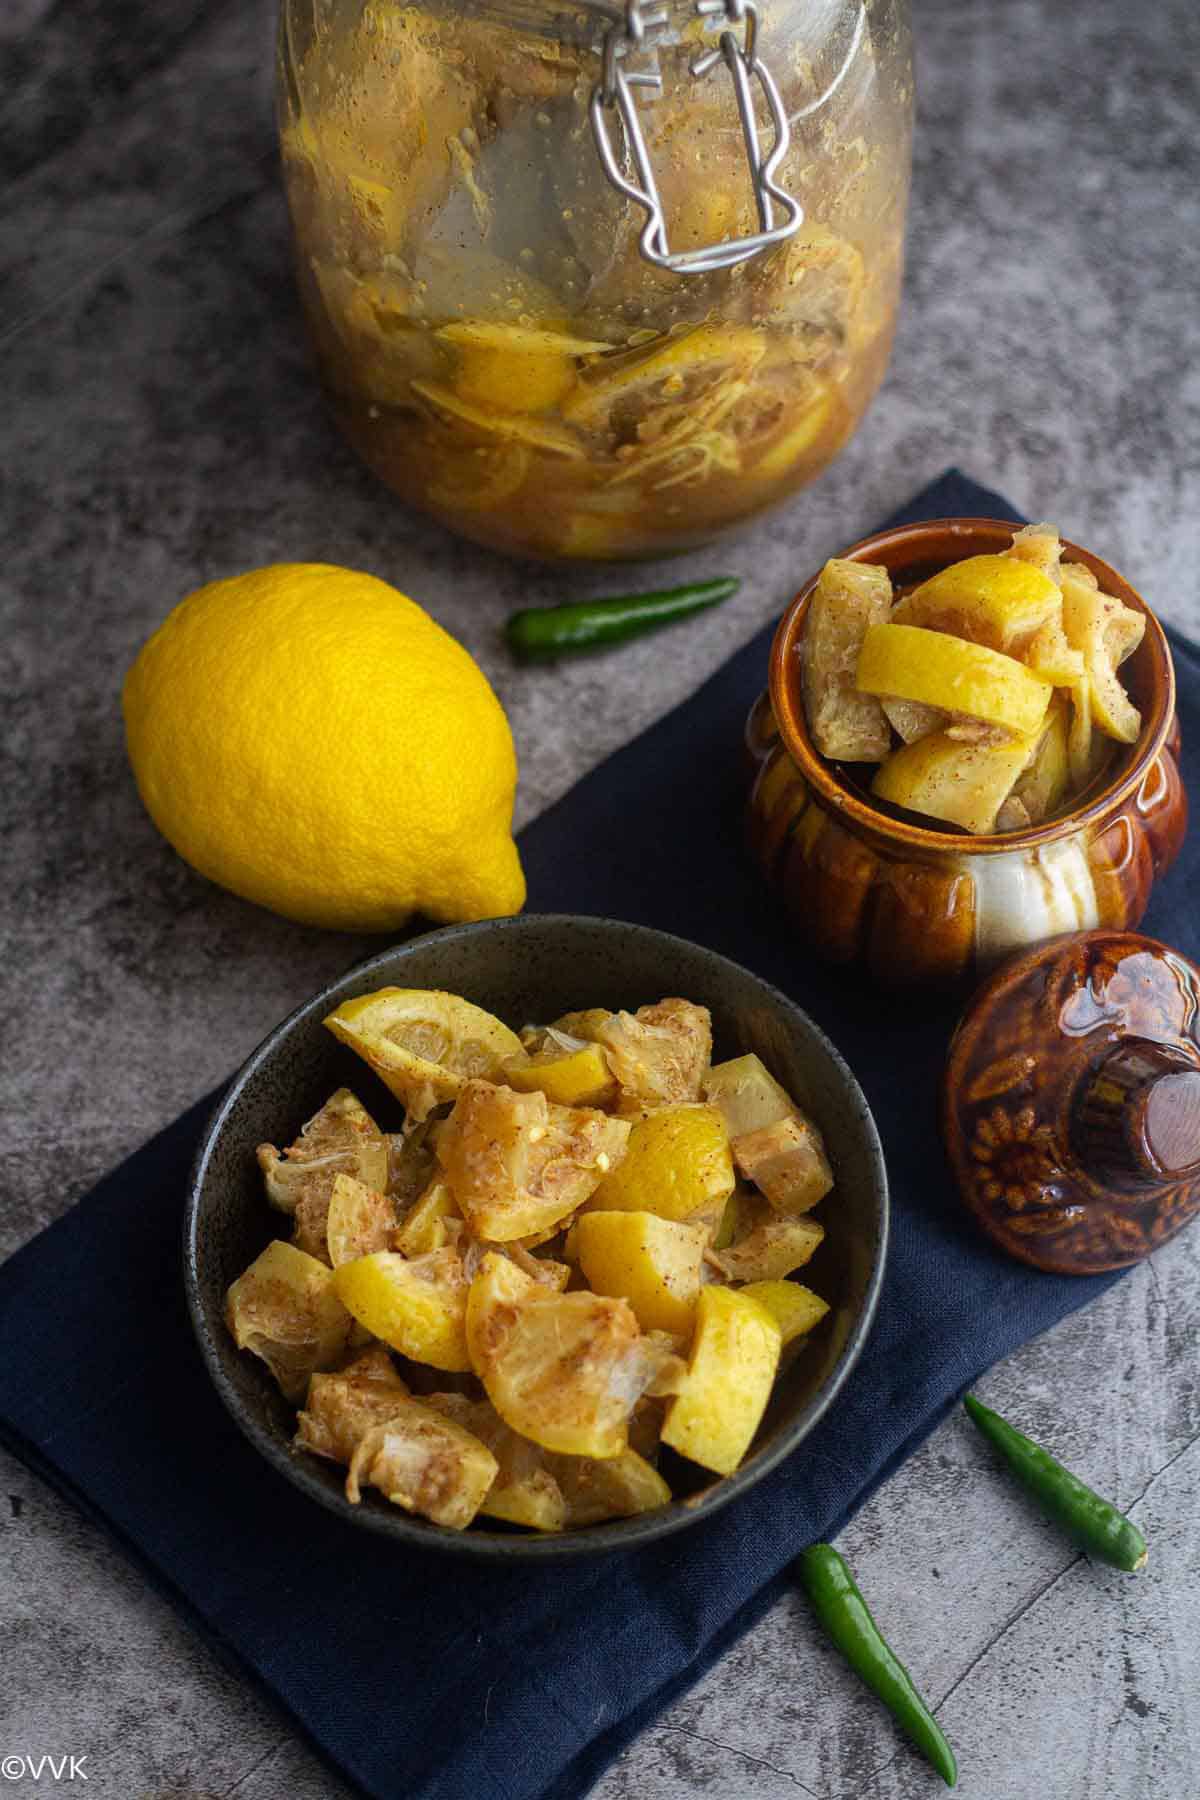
(516, 426)
(520, 340)
(706, 347)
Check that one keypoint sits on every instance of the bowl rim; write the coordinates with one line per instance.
(485, 1544)
(979, 535)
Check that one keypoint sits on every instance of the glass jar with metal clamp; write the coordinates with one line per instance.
(597, 281)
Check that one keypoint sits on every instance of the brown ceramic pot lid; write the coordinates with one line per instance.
(1071, 1101)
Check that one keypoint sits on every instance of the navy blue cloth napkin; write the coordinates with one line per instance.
(418, 1677)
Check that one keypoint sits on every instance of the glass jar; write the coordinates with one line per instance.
(597, 282)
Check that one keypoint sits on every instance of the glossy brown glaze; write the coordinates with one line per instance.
(910, 903)
(1071, 1102)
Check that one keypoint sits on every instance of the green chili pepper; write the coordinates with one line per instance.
(846, 1617)
(541, 632)
(1094, 1523)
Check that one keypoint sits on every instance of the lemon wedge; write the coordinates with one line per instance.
(423, 1044)
(964, 784)
(910, 662)
(999, 601)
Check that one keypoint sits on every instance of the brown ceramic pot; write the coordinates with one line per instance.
(912, 903)
(1071, 1102)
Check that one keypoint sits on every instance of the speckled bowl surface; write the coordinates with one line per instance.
(535, 967)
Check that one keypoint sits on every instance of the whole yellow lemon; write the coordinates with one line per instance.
(310, 738)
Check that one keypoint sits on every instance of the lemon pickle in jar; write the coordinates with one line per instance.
(597, 282)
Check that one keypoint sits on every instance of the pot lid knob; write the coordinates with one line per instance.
(1071, 1101)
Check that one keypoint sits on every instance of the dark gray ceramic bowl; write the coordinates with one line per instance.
(537, 967)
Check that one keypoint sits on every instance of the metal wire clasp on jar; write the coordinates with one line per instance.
(615, 90)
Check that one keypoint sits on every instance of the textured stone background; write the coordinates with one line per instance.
(160, 428)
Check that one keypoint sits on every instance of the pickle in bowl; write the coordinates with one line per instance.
(574, 1254)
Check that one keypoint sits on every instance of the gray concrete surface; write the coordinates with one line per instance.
(160, 428)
